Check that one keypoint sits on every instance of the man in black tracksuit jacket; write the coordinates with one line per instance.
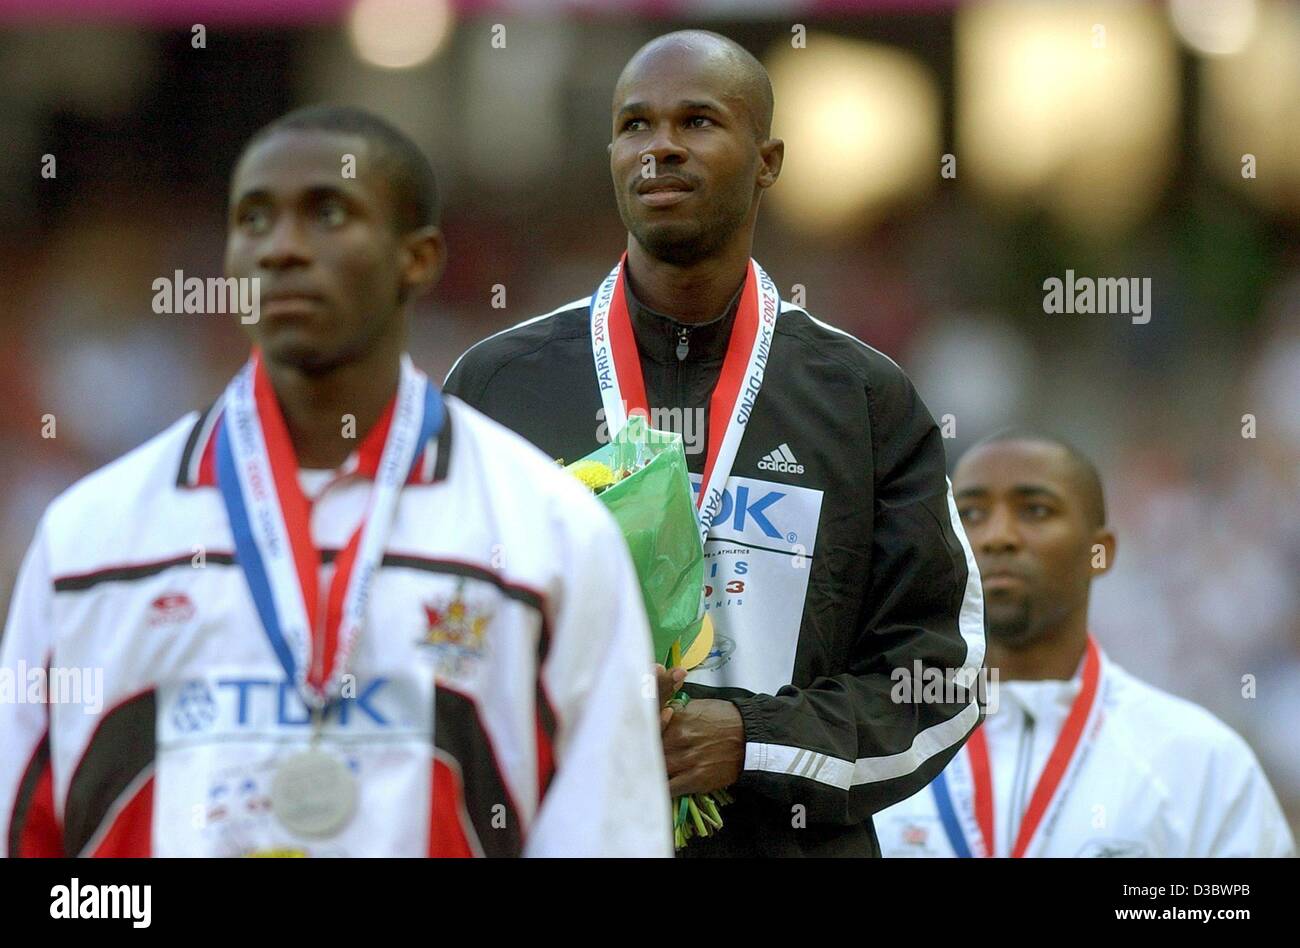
(836, 563)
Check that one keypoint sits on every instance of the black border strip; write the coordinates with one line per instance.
(129, 573)
(135, 571)
(470, 571)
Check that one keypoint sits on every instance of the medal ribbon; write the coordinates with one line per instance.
(257, 474)
(1064, 753)
(622, 384)
(961, 825)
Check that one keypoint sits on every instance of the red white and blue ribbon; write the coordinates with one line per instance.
(963, 793)
(622, 385)
(257, 474)
(965, 826)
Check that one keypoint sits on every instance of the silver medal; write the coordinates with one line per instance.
(313, 794)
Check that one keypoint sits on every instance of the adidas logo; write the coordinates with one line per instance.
(781, 460)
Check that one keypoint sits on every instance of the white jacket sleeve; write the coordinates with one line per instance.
(26, 819)
(609, 793)
(1240, 813)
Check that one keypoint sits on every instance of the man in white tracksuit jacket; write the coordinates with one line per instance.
(335, 614)
(1076, 757)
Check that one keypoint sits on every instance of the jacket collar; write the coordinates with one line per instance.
(198, 460)
(1049, 698)
(658, 335)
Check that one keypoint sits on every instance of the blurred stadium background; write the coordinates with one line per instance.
(1105, 138)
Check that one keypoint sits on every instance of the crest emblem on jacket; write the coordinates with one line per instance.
(455, 631)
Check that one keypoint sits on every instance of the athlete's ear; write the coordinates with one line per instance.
(424, 257)
(772, 153)
(1102, 556)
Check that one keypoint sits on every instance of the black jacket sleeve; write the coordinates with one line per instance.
(851, 744)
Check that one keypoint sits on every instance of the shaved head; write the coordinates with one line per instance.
(691, 150)
(738, 74)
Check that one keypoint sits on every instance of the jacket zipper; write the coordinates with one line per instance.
(683, 347)
(1023, 754)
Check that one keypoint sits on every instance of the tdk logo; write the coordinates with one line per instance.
(263, 702)
(782, 460)
(742, 508)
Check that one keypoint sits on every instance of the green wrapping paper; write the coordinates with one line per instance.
(642, 479)
(655, 511)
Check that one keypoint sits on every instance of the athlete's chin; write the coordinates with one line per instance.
(1008, 621)
(676, 242)
(298, 351)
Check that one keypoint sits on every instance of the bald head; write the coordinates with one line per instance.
(690, 152)
(729, 68)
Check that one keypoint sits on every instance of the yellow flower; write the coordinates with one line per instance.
(592, 473)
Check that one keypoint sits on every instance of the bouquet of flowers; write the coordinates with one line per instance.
(642, 479)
